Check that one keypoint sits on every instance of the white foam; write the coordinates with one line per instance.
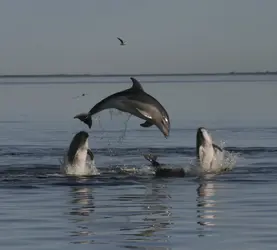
(89, 169)
(224, 161)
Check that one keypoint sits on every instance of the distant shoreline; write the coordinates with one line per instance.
(128, 75)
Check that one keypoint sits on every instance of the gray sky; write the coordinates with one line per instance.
(163, 36)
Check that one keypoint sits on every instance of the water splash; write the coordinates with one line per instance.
(122, 137)
(134, 170)
(74, 170)
(225, 162)
(114, 112)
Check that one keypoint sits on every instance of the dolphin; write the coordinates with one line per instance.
(136, 102)
(76, 156)
(161, 171)
(207, 152)
(122, 43)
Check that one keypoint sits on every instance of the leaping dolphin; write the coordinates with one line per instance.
(136, 102)
(76, 156)
(207, 153)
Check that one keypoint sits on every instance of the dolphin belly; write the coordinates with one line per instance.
(80, 157)
(206, 156)
(218, 159)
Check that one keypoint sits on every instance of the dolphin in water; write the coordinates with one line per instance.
(208, 153)
(161, 171)
(75, 160)
(136, 102)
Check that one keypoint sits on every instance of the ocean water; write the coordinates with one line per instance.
(126, 207)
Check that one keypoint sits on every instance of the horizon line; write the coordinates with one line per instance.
(138, 74)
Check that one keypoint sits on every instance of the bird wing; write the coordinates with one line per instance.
(120, 39)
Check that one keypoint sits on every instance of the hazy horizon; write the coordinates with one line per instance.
(70, 37)
(138, 74)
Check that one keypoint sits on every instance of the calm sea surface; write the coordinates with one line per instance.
(126, 207)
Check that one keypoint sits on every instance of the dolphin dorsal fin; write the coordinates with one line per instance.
(136, 84)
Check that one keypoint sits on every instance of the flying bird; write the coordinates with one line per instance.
(79, 96)
(122, 43)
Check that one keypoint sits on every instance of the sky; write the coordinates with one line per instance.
(163, 36)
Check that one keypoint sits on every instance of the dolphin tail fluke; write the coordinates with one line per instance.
(85, 117)
(152, 159)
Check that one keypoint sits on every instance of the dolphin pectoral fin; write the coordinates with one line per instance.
(84, 117)
(144, 113)
(146, 124)
(217, 147)
(90, 154)
(136, 84)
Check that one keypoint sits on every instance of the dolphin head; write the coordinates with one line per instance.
(163, 123)
(203, 137)
(79, 140)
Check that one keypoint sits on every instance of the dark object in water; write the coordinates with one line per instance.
(170, 172)
(164, 172)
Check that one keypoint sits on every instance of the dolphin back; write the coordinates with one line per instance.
(71, 153)
(135, 90)
(198, 142)
(77, 142)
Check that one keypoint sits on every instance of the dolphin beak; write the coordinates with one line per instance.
(166, 134)
(164, 130)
